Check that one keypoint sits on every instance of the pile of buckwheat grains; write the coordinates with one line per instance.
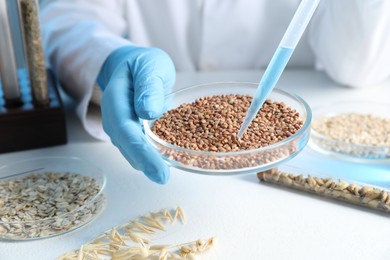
(46, 204)
(211, 124)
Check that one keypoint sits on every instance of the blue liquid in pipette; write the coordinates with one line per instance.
(267, 83)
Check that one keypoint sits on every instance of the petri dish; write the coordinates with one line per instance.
(237, 162)
(346, 150)
(47, 206)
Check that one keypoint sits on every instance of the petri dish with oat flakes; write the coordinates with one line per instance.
(48, 196)
(352, 130)
(234, 161)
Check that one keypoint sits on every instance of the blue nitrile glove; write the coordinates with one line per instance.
(134, 81)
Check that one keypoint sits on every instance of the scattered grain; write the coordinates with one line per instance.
(130, 241)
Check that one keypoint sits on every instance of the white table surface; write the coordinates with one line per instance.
(250, 220)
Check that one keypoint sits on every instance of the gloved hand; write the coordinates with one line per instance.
(134, 81)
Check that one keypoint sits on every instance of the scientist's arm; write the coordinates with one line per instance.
(351, 40)
(83, 42)
(78, 35)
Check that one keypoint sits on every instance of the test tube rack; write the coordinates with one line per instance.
(30, 126)
(31, 111)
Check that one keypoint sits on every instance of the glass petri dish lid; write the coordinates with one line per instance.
(367, 114)
(236, 162)
(48, 196)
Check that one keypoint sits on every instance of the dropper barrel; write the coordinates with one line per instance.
(299, 23)
(280, 59)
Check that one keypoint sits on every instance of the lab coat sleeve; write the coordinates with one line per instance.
(351, 40)
(77, 38)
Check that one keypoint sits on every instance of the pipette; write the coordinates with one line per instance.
(279, 60)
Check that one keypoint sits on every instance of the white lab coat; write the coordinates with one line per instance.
(350, 39)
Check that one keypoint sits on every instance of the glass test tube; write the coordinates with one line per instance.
(29, 13)
(352, 192)
(8, 70)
